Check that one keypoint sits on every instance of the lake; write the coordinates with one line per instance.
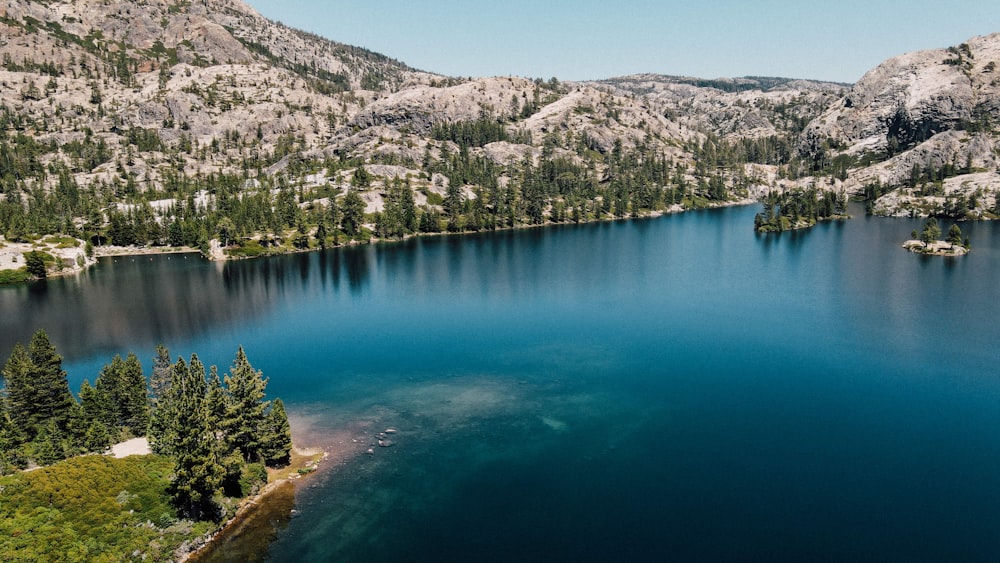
(676, 388)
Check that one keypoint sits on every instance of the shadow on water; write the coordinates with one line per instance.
(248, 538)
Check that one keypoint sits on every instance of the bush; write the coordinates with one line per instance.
(14, 276)
(91, 508)
(248, 249)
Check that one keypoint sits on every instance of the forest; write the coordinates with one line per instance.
(218, 432)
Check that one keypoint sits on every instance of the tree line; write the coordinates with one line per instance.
(796, 209)
(220, 431)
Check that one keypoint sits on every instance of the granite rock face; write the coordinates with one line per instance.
(197, 88)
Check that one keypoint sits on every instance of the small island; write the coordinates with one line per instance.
(926, 242)
(799, 209)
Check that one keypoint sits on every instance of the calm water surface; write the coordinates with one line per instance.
(667, 389)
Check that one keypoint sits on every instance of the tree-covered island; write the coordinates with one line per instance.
(799, 209)
(926, 241)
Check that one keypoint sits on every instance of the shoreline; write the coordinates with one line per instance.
(217, 252)
(284, 480)
(936, 248)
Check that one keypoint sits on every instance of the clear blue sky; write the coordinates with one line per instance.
(590, 39)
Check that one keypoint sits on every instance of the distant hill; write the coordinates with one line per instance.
(167, 111)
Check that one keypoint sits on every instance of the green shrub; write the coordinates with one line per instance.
(91, 508)
(14, 276)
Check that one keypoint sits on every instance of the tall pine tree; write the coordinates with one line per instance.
(247, 407)
(37, 386)
(276, 447)
(197, 472)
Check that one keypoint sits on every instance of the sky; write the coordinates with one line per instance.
(594, 39)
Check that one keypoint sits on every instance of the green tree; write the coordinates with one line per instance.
(352, 213)
(277, 444)
(246, 413)
(17, 373)
(197, 472)
(159, 380)
(931, 232)
(123, 382)
(96, 411)
(37, 386)
(955, 235)
(35, 265)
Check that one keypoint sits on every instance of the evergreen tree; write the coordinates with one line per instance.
(10, 441)
(49, 444)
(159, 380)
(133, 410)
(216, 400)
(931, 231)
(197, 472)
(955, 235)
(277, 445)
(124, 385)
(96, 411)
(37, 386)
(247, 407)
(17, 373)
(352, 213)
(162, 427)
(54, 397)
(35, 265)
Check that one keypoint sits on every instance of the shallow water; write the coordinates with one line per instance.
(668, 389)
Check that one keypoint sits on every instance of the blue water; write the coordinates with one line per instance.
(667, 389)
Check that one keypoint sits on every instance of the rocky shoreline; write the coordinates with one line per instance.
(281, 483)
(936, 248)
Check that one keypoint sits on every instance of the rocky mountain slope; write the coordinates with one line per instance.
(922, 125)
(162, 121)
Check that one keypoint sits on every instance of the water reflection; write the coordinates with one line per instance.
(150, 299)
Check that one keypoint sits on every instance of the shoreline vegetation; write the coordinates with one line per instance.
(274, 501)
(799, 209)
(212, 443)
(66, 256)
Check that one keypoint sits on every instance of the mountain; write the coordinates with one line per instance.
(203, 123)
(923, 125)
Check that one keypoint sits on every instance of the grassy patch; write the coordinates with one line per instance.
(61, 241)
(248, 249)
(434, 198)
(14, 276)
(92, 508)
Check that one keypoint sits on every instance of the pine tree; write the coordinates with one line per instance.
(133, 411)
(17, 373)
(37, 386)
(162, 424)
(10, 440)
(96, 414)
(197, 472)
(352, 213)
(159, 381)
(35, 265)
(49, 444)
(52, 388)
(277, 445)
(955, 235)
(247, 407)
(216, 400)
